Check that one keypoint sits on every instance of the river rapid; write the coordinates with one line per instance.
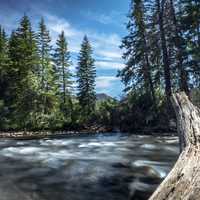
(85, 167)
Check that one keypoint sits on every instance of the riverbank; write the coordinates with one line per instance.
(41, 134)
(29, 135)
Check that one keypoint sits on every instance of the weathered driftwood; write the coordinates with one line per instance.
(183, 182)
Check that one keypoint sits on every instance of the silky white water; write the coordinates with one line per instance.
(88, 167)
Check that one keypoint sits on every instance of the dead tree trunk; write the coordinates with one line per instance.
(183, 182)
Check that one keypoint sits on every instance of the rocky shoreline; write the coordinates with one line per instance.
(41, 134)
(29, 135)
(51, 133)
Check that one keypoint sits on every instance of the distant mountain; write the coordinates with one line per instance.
(103, 97)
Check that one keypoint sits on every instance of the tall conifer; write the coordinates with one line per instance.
(86, 74)
(62, 61)
(24, 60)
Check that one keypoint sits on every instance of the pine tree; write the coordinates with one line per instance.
(165, 54)
(189, 17)
(24, 60)
(46, 71)
(44, 49)
(86, 74)
(4, 80)
(4, 61)
(138, 71)
(155, 53)
(62, 61)
(178, 42)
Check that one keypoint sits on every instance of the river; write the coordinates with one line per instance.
(85, 167)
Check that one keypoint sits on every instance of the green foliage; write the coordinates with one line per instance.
(136, 111)
(29, 102)
(106, 113)
(86, 74)
(36, 87)
(4, 80)
(24, 60)
(161, 53)
(195, 96)
(62, 62)
(46, 71)
(189, 16)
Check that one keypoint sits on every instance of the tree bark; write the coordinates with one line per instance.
(183, 182)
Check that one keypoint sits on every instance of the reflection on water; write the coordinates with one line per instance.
(93, 167)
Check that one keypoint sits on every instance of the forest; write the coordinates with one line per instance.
(161, 56)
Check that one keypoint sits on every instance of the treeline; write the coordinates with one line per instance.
(162, 56)
(36, 84)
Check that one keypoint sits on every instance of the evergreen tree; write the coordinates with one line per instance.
(138, 71)
(44, 49)
(189, 17)
(178, 43)
(46, 71)
(167, 31)
(86, 74)
(4, 60)
(160, 4)
(62, 61)
(24, 60)
(4, 81)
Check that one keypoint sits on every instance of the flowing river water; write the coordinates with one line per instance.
(86, 167)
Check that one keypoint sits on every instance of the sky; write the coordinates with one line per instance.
(103, 21)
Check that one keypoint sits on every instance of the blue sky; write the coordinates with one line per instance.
(102, 20)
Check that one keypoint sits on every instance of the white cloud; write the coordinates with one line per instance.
(101, 18)
(108, 65)
(113, 39)
(57, 25)
(9, 22)
(106, 19)
(104, 82)
(110, 54)
(105, 46)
